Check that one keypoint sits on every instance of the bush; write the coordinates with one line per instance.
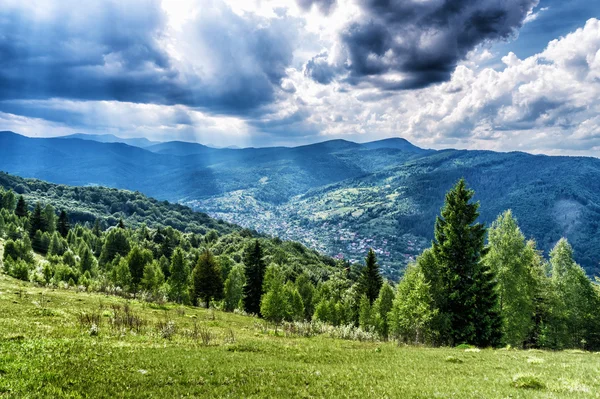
(527, 381)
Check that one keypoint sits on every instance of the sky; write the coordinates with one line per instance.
(501, 75)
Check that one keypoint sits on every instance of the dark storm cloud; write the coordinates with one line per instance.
(325, 6)
(113, 50)
(421, 40)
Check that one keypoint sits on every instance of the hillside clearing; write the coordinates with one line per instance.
(48, 350)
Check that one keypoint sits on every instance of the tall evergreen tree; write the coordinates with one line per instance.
(137, 259)
(49, 219)
(207, 280)
(21, 209)
(63, 225)
(255, 273)
(370, 281)
(116, 243)
(36, 221)
(468, 285)
(97, 231)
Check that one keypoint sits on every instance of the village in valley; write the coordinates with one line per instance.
(339, 238)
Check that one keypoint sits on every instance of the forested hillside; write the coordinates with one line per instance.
(464, 289)
(339, 197)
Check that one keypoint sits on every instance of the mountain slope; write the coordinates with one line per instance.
(337, 196)
(141, 142)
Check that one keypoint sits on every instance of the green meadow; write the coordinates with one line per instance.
(65, 343)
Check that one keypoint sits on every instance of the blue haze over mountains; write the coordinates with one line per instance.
(388, 191)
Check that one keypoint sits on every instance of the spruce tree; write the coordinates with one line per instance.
(36, 221)
(207, 280)
(49, 219)
(63, 226)
(255, 273)
(370, 281)
(97, 231)
(137, 259)
(468, 285)
(21, 209)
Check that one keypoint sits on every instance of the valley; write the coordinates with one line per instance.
(338, 197)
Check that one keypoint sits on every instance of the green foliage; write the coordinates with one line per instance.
(179, 277)
(255, 272)
(137, 259)
(207, 280)
(63, 224)
(413, 309)
(295, 303)
(274, 306)
(115, 243)
(234, 288)
(153, 278)
(382, 306)
(306, 289)
(21, 209)
(122, 275)
(470, 295)
(511, 258)
(370, 280)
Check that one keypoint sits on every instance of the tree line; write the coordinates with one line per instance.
(477, 286)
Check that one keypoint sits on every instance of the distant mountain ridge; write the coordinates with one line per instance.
(337, 196)
(110, 138)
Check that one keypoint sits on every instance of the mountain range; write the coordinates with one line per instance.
(337, 196)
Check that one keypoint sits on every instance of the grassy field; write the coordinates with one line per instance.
(48, 349)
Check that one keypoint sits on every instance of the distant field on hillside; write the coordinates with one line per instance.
(47, 350)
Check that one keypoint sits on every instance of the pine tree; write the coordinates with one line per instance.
(467, 284)
(36, 221)
(49, 219)
(207, 280)
(2, 226)
(179, 277)
(370, 280)
(255, 272)
(121, 224)
(97, 231)
(9, 201)
(115, 243)
(137, 259)
(87, 262)
(63, 226)
(234, 288)
(510, 258)
(21, 209)
(56, 245)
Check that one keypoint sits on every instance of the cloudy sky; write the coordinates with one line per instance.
(479, 74)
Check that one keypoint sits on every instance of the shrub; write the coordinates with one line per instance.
(527, 381)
